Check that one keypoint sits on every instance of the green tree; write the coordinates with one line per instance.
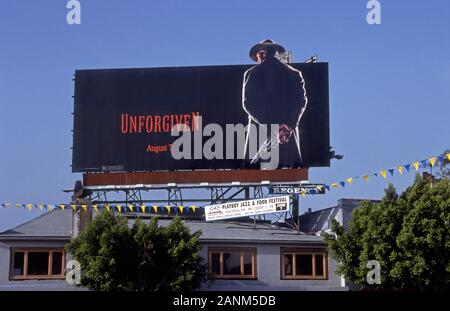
(145, 257)
(408, 234)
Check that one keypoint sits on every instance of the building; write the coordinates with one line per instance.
(242, 255)
(319, 221)
(32, 254)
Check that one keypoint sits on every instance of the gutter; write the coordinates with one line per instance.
(35, 238)
(248, 241)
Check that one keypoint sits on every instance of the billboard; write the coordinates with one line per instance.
(247, 208)
(207, 117)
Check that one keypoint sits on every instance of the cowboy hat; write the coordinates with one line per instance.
(263, 45)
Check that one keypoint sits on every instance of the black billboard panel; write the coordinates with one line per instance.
(123, 118)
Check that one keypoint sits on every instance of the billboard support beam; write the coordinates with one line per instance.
(134, 195)
(218, 194)
(174, 196)
(295, 212)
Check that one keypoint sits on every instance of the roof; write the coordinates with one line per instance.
(313, 222)
(318, 220)
(245, 232)
(55, 225)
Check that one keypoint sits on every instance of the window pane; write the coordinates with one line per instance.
(38, 263)
(303, 264)
(248, 265)
(18, 263)
(288, 264)
(231, 263)
(215, 263)
(319, 265)
(57, 263)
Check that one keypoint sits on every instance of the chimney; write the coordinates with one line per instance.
(80, 220)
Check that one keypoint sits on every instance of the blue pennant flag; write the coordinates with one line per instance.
(441, 159)
(327, 187)
(3, 205)
(408, 166)
(424, 163)
(375, 174)
(391, 171)
(342, 184)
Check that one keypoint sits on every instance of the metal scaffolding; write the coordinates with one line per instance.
(196, 194)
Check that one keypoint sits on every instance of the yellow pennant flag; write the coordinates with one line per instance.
(193, 207)
(400, 169)
(432, 161)
(155, 208)
(143, 208)
(95, 207)
(130, 207)
(319, 188)
(448, 156)
(349, 180)
(119, 208)
(334, 185)
(74, 207)
(30, 206)
(168, 208)
(416, 165)
(181, 208)
(84, 207)
(62, 206)
(108, 208)
(49, 207)
(383, 173)
(366, 177)
(18, 205)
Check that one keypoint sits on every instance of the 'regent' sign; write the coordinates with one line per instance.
(303, 189)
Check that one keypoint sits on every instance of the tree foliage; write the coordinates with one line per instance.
(143, 257)
(408, 234)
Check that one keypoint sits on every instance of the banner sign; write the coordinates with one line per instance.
(188, 118)
(247, 208)
(303, 189)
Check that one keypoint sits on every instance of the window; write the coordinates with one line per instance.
(57, 263)
(303, 264)
(37, 264)
(232, 263)
(19, 259)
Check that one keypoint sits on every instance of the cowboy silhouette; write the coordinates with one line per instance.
(273, 93)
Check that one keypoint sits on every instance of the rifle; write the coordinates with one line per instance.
(270, 142)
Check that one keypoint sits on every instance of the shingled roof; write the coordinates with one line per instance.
(245, 232)
(55, 225)
(314, 222)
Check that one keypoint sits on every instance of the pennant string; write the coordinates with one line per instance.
(431, 162)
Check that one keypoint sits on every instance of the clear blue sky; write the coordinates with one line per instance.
(389, 83)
